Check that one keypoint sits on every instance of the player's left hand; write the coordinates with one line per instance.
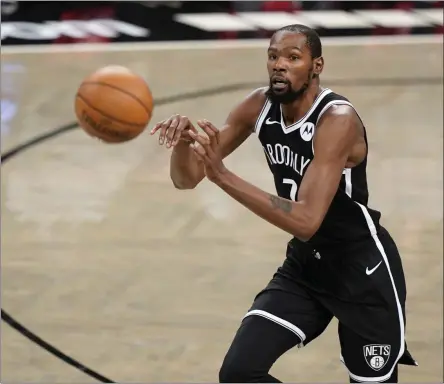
(208, 150)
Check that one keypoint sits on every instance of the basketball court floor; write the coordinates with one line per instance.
(104, 259)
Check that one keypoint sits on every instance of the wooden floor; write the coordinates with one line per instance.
(103, 258)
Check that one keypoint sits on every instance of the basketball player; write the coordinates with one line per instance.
(340, 262)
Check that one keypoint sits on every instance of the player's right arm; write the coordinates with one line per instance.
(186, 170)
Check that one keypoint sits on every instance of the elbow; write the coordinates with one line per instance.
(304, 234)
(184, 180)
(183, 185)
(309, 227)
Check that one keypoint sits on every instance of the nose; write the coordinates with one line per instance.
(280, 65)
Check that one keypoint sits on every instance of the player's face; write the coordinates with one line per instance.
(290, 66)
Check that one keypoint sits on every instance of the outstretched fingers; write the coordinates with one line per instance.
(211, 131)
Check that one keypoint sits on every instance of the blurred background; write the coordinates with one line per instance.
(177, 20)
(104, 259)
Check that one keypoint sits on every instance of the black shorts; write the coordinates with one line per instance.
(362, 286)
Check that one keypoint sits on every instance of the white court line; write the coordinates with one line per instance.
(214, 44)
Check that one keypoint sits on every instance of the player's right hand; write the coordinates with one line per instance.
(174, 129)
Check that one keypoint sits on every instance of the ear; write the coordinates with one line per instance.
(318, 66)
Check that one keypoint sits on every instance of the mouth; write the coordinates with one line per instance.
(279, 83)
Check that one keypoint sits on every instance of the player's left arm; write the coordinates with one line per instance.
(335, 136)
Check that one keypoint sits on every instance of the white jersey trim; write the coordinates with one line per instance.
(378, 243)
(334, 102)
(262, 116)
(348, 181)
(284, 323)
(301, 121)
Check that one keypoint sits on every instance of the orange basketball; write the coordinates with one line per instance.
(114, 104)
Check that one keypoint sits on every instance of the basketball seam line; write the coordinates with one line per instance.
(108, 116)
(121, 90)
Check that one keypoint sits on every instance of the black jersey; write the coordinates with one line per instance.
(289, 151)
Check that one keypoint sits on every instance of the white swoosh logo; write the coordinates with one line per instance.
(268, 121)
(370, 271)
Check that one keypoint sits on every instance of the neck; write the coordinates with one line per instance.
(297, 109)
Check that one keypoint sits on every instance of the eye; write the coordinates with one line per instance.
(271, 56)
(294, 58)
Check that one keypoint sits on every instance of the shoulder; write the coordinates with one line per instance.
(256, 99)
(339, 127)
(249, 108)
(337, 108)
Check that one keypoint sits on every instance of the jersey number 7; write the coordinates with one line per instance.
(293, 187)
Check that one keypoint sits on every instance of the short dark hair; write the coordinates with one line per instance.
(313, 39)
